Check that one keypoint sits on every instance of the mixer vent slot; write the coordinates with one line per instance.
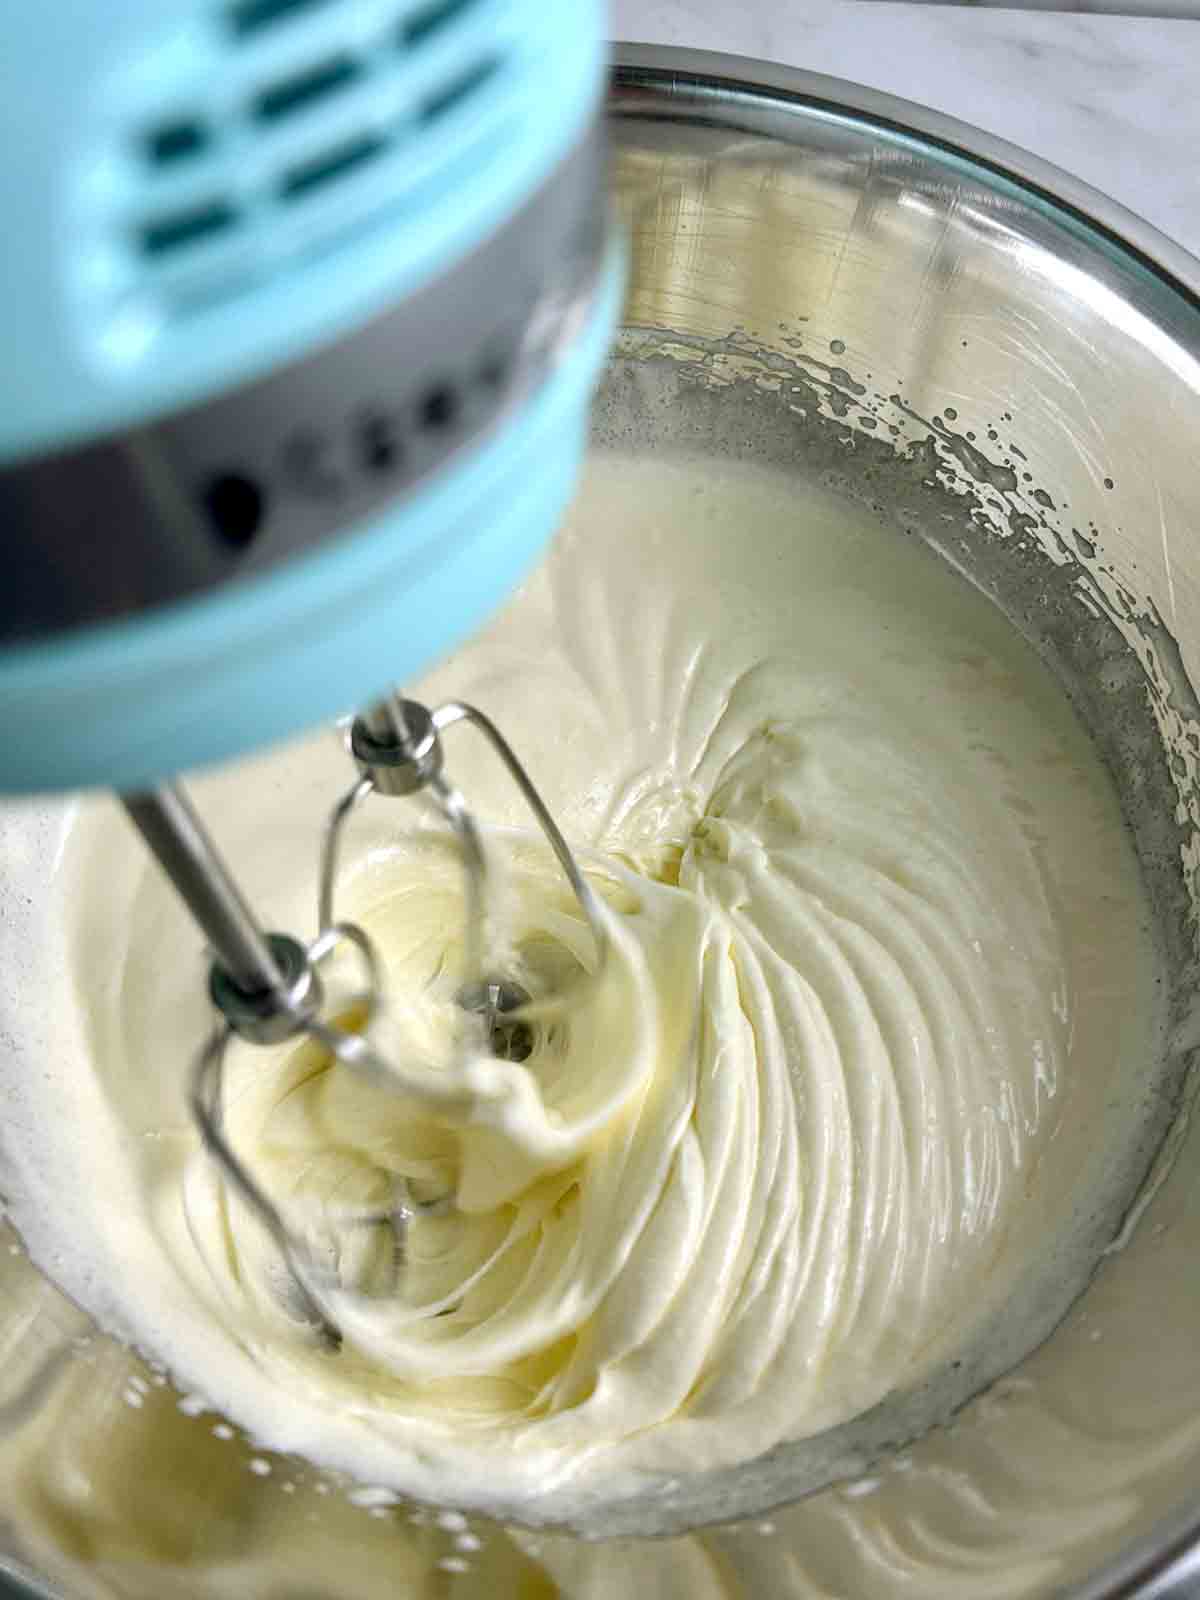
(429, 19)
(183, 228)
(247, 17)
(457, 90)
(178, 140)
(301, 180)
(301, 90)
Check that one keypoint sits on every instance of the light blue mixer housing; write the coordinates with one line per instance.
(305, 302)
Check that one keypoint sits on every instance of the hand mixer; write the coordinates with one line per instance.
(304, 304)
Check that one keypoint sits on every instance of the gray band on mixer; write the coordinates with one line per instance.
(235, 485)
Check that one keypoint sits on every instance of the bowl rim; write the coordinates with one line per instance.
(708, 85)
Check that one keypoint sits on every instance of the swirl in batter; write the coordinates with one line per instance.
(875, 950)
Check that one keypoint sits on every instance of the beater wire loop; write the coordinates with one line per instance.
(397, 747)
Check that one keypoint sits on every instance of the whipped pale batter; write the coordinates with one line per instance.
(878, 994)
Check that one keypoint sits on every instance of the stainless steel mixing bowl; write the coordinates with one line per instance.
(1009, 364)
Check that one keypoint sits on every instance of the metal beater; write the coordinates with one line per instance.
(267, 987)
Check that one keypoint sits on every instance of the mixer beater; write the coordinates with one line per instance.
(268, 987)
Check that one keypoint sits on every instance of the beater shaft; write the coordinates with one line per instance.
(268, 987)
(168, 822)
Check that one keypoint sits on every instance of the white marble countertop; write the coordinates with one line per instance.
(1111, 99)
